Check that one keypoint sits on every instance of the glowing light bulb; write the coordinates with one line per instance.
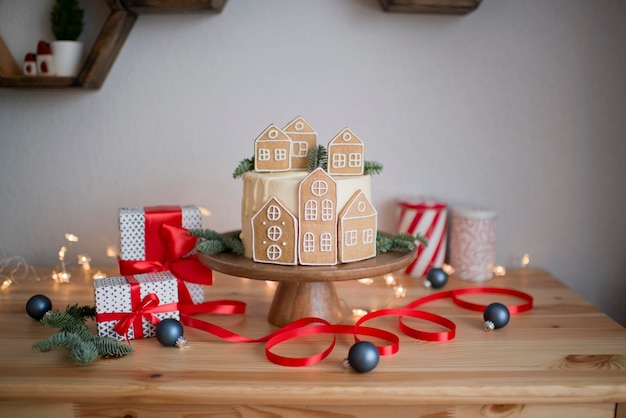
(357, 312)
(366, 281)
(112, 251)
(525, 260)
(62, 252)
(390, 280)
(99, 275)
(499, 271)
(204, 211)
(448, 269)
(83, 260)
(5, 284)
(399, 291)
(71, 237)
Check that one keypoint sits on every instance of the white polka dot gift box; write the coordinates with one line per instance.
(130, 307)
(154, 238)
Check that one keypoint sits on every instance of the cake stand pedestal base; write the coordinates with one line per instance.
(293, 301)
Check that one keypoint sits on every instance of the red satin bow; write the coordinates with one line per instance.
(146, 308)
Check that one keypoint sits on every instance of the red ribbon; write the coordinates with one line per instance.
(167, 245)
(144, 308)
(318, 326)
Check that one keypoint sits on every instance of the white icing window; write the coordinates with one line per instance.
(319, 188)
(346, 136)
(310, 210)
(299, 126)
(274, 252)
(300, 149)
(264, 154)
(354, 159)
(274, 233)
(339, 160)
(308, 242)
(326, 242)
(368, 236)
(361, 207)
(273, 213)
(350, 237)
(327, 210)
(280, 154)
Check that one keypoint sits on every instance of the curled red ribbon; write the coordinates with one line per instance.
(318, 326)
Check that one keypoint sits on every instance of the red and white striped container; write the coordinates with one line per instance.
(472, 243)
(429, 217)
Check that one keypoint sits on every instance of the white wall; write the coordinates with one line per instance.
(518, 106)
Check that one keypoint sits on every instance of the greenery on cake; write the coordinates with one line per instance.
(245, 165)
(398, 242)
(84, 346)
(372, 168)
(318, 157)
(212, 242)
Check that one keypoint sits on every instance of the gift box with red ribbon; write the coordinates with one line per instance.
(155, 238)
(130, 307)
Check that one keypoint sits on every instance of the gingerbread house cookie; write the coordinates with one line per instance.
(345, 154)
(303, 139)
(357, 223)
(272, 150)
(317, 206)
(274, 233)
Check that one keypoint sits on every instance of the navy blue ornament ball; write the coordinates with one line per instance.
(436, 278)
(363, 357)
(169, 332)
(496, 315)
(37, 306)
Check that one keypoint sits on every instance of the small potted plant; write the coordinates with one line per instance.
(67, 24)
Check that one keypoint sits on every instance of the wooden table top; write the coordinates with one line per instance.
(563, 351)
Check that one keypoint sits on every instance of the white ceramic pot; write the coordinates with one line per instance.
(68, 57)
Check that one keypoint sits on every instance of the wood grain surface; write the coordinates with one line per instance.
(563, 358)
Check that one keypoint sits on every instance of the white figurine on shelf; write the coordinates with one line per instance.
(30, 64)
(45, 60)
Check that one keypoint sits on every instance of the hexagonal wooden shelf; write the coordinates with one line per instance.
(430, 6)
(97, 64)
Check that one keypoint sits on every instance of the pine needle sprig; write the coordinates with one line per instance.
(245, 165)
(212, 246)
(207, 234)
(372, 168)
(81, 312)
(110, 347)
(398, 242)
(318, 157)
(61, 339)
(84, 352)
(84, 346)
(233, 243)
(214, 243)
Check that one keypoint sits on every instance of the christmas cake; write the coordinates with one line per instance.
(318, 213)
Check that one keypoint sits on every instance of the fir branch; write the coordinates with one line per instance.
(75, 335)
(233, 243)
(212, 246)
(61, 339)
(403, 241)
(84, 352)
(207, 234)
(372, 168)
(110, 347)
(398, 242)
(56, 319)
(383, 242)
(81, 312)
(245, 165)
(318, 157)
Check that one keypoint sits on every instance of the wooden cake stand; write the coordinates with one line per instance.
(306, 291)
